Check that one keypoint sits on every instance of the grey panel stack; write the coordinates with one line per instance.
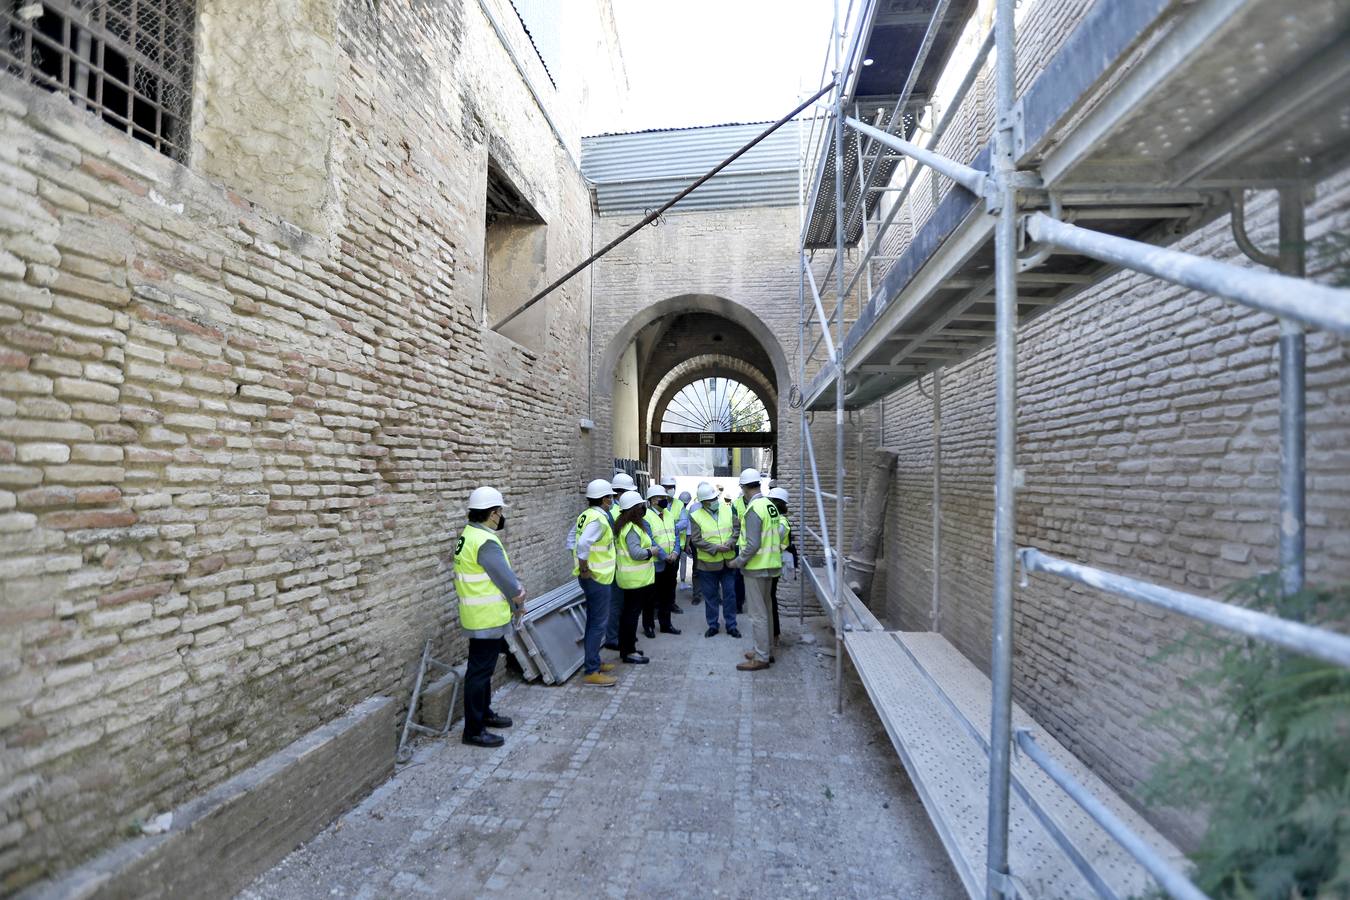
(548, 641)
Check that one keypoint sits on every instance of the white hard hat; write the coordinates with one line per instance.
(629, 500)
(668, 481)
(622, 481)
(598, 489)
(656, 491)
(779, 494)
(486, 498)
(706, 491)
(750, 476)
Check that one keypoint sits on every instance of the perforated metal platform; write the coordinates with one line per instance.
(935, 706)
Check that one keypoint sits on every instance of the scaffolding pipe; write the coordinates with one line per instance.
(653, 216)
(1293, 400)
(935, 619)
(1306, 639)
(815, 481)
(839, 375)
(970, 179)
(998, 884)
(1172, 881)
(1303, 301)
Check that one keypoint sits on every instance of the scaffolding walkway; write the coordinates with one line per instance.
(1151, 120)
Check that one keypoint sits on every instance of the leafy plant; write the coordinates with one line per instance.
(1265, 751)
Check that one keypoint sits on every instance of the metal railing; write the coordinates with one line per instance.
(1285, 294)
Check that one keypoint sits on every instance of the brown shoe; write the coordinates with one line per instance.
(750, 654)
(600, 679)
(752, 665)
(607, 667)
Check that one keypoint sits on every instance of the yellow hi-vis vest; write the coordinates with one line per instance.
(481, 605)
(601, 559)
(663, 530)
(786, 530)
(740, 506)
(677, 507)
(635, 573)
(770, 552)
(715, 531)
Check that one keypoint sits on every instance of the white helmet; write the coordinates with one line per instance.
(779, 494)
(656, 491)
(668, 481)
(622, 481)
(598, 489)
(629, 500)
(486, 498)
(750, 476)
(706, 491)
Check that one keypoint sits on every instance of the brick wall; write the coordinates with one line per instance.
(232, 451)
(1148, 432)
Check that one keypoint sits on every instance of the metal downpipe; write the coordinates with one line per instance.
(1293, 399)
(840, 78)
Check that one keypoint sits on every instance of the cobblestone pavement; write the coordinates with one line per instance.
(687, 779)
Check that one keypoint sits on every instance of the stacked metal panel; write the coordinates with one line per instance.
(547, 642)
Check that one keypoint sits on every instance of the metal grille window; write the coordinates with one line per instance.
(127, 61)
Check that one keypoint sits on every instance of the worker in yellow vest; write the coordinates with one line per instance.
(622, 482)
(593, 564)
(660, 524)
(490, 600)
(779, 496)
(677, 515)
(635, 573)
(712, 537)
(761, 560)
(749, 488)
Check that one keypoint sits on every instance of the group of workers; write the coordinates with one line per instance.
(627, 554)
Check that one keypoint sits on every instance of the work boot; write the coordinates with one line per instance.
(484, 739)
(607, 667)
(734, 632)
(711, 631)
(492, 720)
(649, 633)
(599, 679)
(671, 630)
(752, 665)
(750, 654)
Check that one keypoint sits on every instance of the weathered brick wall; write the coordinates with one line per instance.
(1148, 431)
(232, 451)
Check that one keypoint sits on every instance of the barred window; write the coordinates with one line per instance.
(127, 61)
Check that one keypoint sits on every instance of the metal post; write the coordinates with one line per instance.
(1293, 415)
(801, 449)
(935, 618)
(839, 79)
(1005, 300)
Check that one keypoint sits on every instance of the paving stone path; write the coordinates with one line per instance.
(687, 779)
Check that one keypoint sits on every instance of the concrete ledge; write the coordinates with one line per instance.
(219, 842)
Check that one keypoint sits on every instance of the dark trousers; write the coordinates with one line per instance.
(478, 682)
(662, 599)
(773, 596)
(634, 601)
(740, 591)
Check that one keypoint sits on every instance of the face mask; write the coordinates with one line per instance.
(501, 522)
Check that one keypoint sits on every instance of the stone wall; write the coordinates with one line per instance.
(234, 438)
(1148, 432)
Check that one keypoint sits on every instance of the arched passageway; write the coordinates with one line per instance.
(685, 379)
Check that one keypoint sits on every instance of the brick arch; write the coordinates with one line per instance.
(710, 365)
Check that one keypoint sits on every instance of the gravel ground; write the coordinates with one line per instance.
(687, 779)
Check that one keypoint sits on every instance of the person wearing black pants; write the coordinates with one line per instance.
(478, 688)
(663, 602)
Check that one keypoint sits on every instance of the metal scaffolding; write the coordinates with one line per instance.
(1014, 209)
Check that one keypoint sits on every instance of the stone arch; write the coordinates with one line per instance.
(710, 365)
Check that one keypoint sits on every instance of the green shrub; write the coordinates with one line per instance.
(1265, 751)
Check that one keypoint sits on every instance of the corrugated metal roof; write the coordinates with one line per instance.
(641, 170)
